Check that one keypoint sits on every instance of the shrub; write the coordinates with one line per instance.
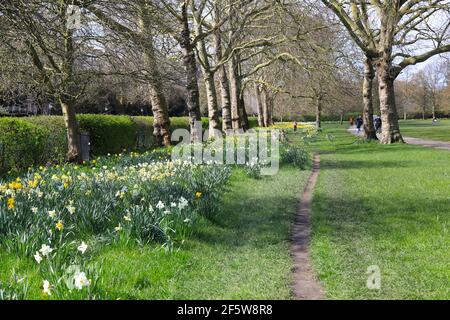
(109, 134)
(55, 144)
(21, 144)
(296, 156)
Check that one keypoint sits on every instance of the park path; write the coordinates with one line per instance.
(428, 143)
(443, 145)
(305, 284)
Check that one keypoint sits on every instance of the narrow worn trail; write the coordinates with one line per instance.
(305, 284)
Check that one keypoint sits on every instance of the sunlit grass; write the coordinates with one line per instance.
(386, 206)
(425, 129)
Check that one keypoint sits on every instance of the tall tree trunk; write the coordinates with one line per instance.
(161, 120)
(222, 73)
(208, 78)
(213, 108)
(73, 132)
(260, 106)
(227, 124)
(267, 107)
(390, 126)
(319, 113)
(190, 64)
(234, 94)
(369, 74)
(65, 96)
(243, 112)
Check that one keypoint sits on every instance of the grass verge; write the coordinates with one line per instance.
(244, 255)
(426, 130)
(386, 206)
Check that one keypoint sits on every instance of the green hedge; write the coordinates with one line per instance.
(42, 140)
(21, 143)
(109, 134)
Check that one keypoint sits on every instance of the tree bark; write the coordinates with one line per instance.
(267, 107)
(390, 126)
(234, 94)
(161, 120)
(72, 129)
(319, 113)
(369, 74)
(210, 85)
(227, 124)
(65, 96)
(190, 64)
(244, 115)
(260, 106)
(222, 74)
(213, 108)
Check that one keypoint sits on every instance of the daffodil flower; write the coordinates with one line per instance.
(46, 287)
(59, 225)
(52, 214)
(45, 250)
(82, 247)
(37, 257)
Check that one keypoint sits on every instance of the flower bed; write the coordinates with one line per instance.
(57, 215)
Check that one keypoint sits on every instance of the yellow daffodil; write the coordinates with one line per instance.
(198, 195)
(11, 203)
(59, 225)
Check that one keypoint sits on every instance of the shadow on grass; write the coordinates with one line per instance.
(256, 213)
(364, 164)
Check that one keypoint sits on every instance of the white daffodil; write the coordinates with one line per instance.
(173, 204)
(52, 214)
(127, 218)
(183, 203)
(37, 257)
(160, 205)
(82, 247)
(45, 250)
(187, 220)
(46, 287)
(71, 209)
(34, 210)
(118, 228)
(80, 280)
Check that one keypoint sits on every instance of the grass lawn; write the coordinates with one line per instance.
(426, 130)
(386, 206)
(244, 255)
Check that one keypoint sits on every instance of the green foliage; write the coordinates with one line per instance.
(109, 134)
(297, 156)
(55, 144)
(47, 214)
(15, 289)
(21, 144)
(253, 225)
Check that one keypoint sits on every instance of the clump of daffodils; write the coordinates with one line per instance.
(143, 198)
